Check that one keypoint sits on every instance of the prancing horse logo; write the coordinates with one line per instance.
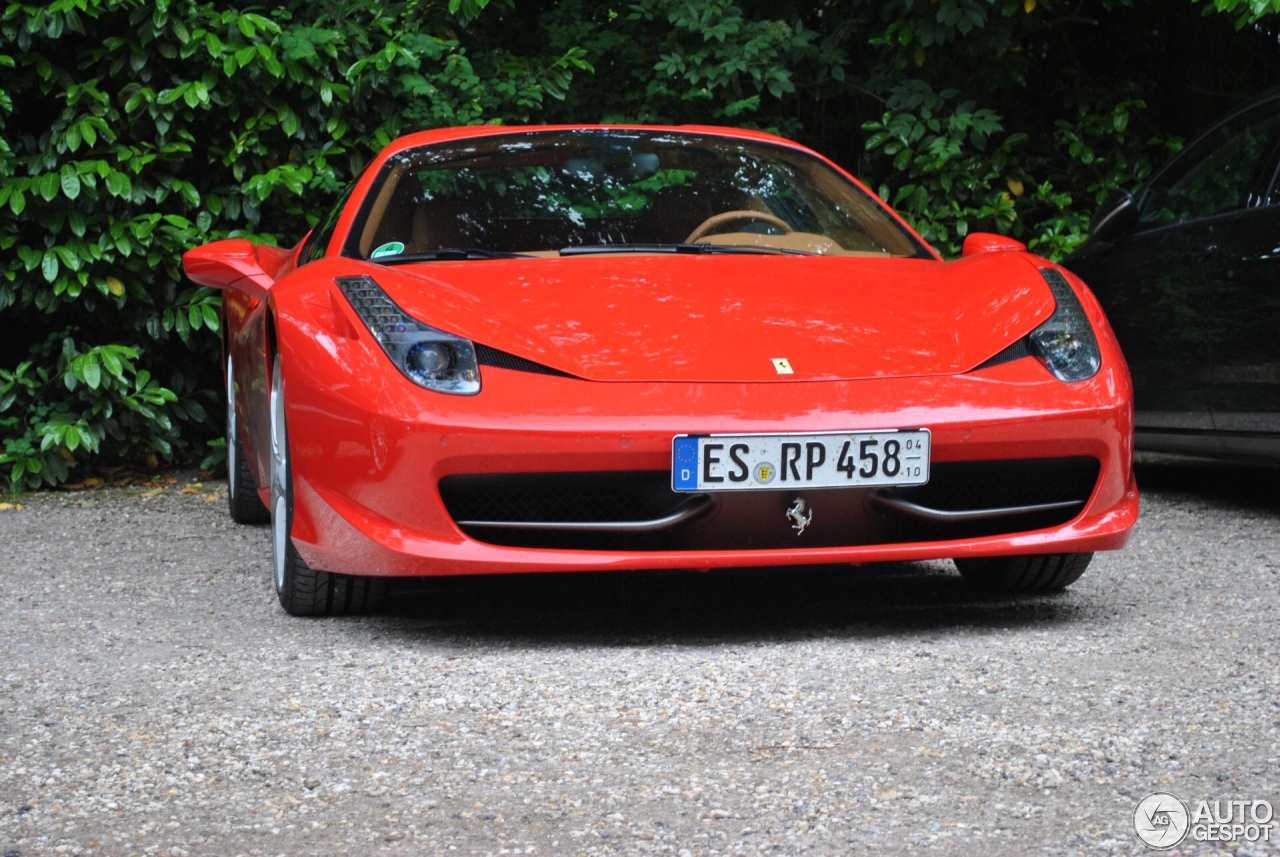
(796, 515)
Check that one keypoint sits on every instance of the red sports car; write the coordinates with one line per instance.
(546, 349)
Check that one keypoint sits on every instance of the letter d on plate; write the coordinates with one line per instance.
(684, 464)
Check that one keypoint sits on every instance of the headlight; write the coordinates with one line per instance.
(432, 358)
(1065, 343)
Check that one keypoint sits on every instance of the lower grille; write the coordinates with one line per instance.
(569, 497)
(1058, 487)
(638, 511)
(593, 509)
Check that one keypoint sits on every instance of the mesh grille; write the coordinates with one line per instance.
(502, 360)
(960, 485)
(1016, 351)
(563, 497)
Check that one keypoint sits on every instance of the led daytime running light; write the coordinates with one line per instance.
(404, 339)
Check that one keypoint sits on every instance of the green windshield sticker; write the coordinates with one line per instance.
(391, 248)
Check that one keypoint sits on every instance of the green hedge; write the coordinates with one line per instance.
(132, 130)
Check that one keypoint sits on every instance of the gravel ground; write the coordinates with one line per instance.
(155, 700)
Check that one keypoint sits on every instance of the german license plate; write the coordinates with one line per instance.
(747, 462)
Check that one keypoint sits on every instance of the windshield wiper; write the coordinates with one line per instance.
(447, 254)
(691, 249)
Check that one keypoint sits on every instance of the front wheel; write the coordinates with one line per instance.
(1013, 574)
(302, 590)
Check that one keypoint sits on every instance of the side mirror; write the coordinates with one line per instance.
(1116, 218)
(989, 242)
(231, 263)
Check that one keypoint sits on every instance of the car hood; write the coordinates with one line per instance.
(731, 318)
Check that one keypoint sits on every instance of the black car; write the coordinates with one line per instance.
(1188, 271)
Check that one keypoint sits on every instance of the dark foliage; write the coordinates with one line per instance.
(135, 129)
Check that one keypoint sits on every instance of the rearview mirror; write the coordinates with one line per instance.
(231, 263)
(989, 242)
(1116, 218)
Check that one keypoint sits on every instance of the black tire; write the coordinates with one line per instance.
(1012, 574)
(306, 592)
(242, 491)
(302, 590)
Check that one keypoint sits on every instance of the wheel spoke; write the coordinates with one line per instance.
(279, 482)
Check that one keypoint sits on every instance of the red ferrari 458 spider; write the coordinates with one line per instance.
(544, 349)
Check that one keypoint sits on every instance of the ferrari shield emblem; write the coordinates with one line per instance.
(782, 366)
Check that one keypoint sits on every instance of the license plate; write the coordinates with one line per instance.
(749, 462)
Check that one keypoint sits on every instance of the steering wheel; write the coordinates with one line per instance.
(743, 216)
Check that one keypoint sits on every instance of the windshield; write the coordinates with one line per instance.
(538, 193)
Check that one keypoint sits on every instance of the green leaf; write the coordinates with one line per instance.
(91, 371)
(70, 182)
(49, 186)
(112, 363)
(288, 122)
(49, 266)
(118, 184)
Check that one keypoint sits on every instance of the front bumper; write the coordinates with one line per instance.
(369, 461)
